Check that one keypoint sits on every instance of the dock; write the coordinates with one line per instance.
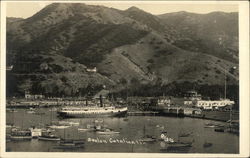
(143, 113)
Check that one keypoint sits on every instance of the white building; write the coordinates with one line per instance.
(189, 102)
(210, 104)
(163, 101)
(192, 95)
(91, 70)
(34, 96)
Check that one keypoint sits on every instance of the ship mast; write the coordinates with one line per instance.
(101, 103)
(225, 88)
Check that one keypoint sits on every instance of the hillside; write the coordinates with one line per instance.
(206, 33)
(52, 49)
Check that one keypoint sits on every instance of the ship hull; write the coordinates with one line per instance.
(87, 115)
(48, 138)
(20, 137)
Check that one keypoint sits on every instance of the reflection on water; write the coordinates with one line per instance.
(132, 128)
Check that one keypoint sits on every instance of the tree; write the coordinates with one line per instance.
(123, 81)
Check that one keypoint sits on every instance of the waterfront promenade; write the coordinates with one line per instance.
(176, 111)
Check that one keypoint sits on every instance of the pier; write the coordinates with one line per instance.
(143, 113)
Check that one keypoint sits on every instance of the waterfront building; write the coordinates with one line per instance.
(192, 95)
(189, 102)
(191, 98)
(163, 101)
(33, 96)
(210, 104)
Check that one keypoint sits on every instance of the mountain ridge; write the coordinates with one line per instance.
(132, 46)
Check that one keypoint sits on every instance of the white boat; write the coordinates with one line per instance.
(210, 125)
(20, 135)
(11, 110)
(69, 123)
(58, 126)
(9, 126)
(93, 111)
(49, 137)
(99, 121)
(31, 112)
(84, 129)
(48, 130)
(35, 132)
(89, 128)
(107, 131)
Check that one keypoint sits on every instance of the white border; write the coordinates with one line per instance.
(244, 86)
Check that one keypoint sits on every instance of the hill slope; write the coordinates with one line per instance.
(51, 50)
(206, 33)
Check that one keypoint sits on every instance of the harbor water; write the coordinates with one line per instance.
(132, 129)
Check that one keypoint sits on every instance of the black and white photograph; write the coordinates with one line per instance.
(124, 77)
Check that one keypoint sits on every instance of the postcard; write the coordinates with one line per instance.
(124, 79)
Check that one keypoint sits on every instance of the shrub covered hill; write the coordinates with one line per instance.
(133, 49)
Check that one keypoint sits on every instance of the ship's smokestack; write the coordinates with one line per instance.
(86, 102)
(101, 101)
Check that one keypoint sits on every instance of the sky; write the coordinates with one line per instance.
(27, 9)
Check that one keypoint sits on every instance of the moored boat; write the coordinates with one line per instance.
(21, 135)
(219, 129)
(31, 112)
(59, 126)
(35, 132)
(210, 125)
(49, 137)
(107, 131)
(69, 123)
(93, 111)
(88, 129)
(185, 134)
(207, 144)
(148, 139)
(70, 144)
(177, 145)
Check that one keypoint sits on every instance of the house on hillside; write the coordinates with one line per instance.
(91, 70)
(9, 68)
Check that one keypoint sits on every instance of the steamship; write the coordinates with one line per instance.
(101, 110)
